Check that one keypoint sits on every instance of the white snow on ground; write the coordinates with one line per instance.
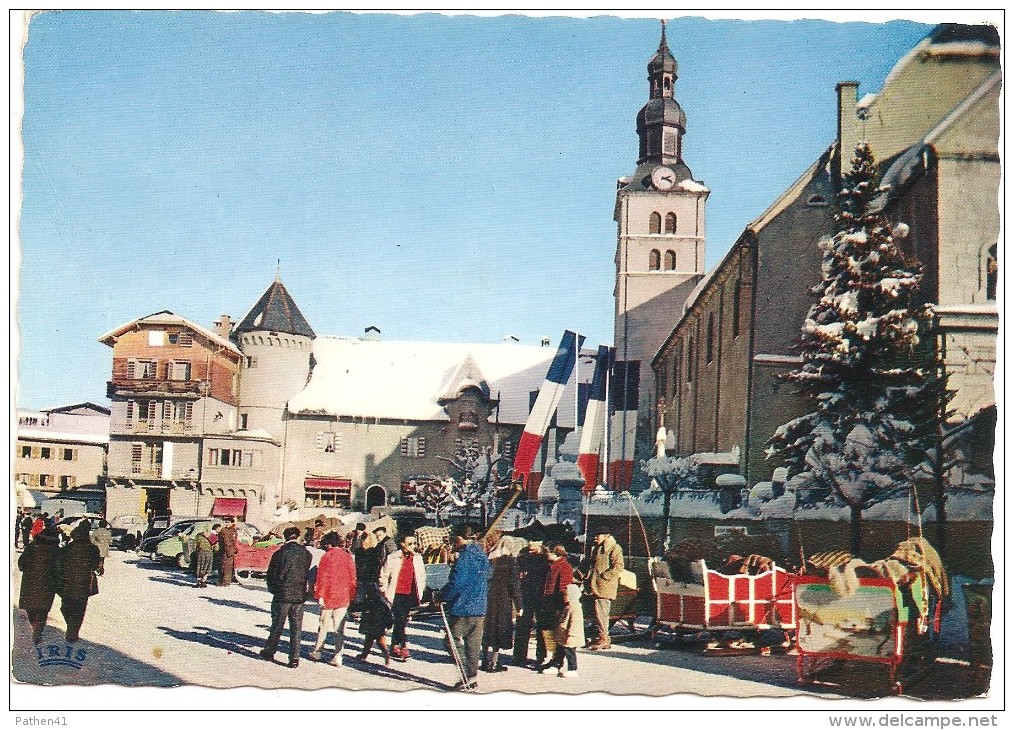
(150, 627)
(960, 507)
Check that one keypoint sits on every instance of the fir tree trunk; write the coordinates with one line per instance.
(666, 506)
(857, 521)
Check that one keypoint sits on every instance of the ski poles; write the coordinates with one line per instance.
(465, 682)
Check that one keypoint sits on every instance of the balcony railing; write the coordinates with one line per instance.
(157, 427)
(122, 386)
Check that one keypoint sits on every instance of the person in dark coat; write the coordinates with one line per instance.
(228, 546)
(533, 566)
(37, 588)
(376, 619)
(288, 573)
(77, 581)
(503, 601)
(26, 529)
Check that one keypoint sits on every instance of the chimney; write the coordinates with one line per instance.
(848, 124)
(545, 342)
(223, 326)
(372, 334)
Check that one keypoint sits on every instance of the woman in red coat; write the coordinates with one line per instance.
(334, 589)
(561, 575)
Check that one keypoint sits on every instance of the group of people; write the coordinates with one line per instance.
(52, 565)
(220, 542)
(491, 602)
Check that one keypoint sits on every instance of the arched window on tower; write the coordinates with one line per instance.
(670, 223)
(992, 272)
(670, 260)
(654, 260)
(655, 223)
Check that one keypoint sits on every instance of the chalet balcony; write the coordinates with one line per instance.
(157, 427)
(155, 387)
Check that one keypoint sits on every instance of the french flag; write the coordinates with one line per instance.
(545, 406)
(623, 396)
(593, 433)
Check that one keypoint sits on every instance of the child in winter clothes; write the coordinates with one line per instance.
(376, 619)
(569, 634)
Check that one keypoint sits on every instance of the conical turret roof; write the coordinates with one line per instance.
(275, 311)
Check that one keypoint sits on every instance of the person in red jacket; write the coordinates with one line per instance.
(560, 575)
(334, 589)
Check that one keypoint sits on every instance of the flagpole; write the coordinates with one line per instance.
(606, 429)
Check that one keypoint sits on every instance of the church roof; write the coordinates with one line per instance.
(275, 311)
(407, 380)
(663, 60)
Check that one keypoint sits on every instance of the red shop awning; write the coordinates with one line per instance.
(342, 487)
(229, 507)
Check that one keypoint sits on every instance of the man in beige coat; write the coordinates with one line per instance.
(602, 581)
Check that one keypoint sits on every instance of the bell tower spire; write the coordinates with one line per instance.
(661, 123)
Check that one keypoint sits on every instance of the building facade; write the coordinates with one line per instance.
(173, 383)
(61, 453)
(934, 127)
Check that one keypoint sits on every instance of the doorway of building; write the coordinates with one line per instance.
(376, 496)
(156, 502)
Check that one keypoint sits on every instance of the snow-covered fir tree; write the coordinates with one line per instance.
(671, 476)
(868, 360)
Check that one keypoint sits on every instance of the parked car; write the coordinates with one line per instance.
(175, 548)
(127, 531)
(67, 524)
(149, 541)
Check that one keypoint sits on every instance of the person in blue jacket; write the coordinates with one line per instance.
(465, 597)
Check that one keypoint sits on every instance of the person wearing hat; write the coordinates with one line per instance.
(602, 582)
(466, 596)
(78, 583)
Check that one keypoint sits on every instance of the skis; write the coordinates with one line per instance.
(465, 682)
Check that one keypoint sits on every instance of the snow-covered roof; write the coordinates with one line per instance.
(44, 434)
(405, 380)
(167, 318)
(253, 434)
(86, 406)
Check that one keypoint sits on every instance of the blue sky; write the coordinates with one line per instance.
(442, 178)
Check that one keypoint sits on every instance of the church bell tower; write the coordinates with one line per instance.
(660, 214)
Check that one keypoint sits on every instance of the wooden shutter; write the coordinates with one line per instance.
(151, 410)
(130, 412)
(404, 447)
(421, 447)
(131, 369)
(188, 412)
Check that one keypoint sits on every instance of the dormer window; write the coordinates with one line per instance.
(816, 201)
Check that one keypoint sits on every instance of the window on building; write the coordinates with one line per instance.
(329, 442)
(507, 448)
(654, 260)
(669, 143)
(735, 308)
(817, 201)
(142, 369)
(156, 338)
(46, 452)
(69, 454)
(670, 260)
(711, 338)
(68, 482)
(676, 363)
(321, 492)
(26, 452)
(146, 459)
(690, 359)
(670, 223)
(992, 272)
(178, 370)
(47, 480)
(181, 339)
(413, 447)
(251, 361)
(244, 421)
(655, 223)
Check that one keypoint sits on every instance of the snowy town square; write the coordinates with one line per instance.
(494, 361)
